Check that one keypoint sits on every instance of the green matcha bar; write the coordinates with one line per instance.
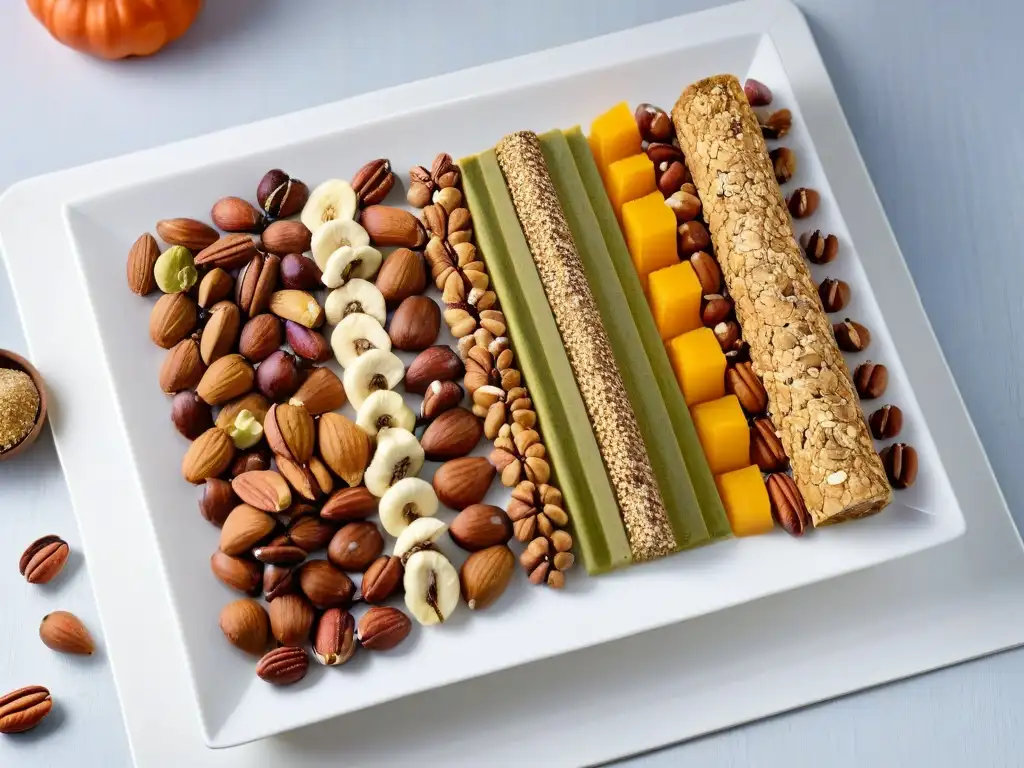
(637, 375)
(686, 435)
(572, 447)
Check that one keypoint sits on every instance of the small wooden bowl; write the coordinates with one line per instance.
(18, 363)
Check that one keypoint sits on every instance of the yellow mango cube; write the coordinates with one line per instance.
(723, 433)
(674, 294)
(650, 229)
(746, 502)
(699, 363)
(613, 136)
(628, 179)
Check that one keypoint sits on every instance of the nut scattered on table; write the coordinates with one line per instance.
(23, 709)
(44, 559)
(64, 632)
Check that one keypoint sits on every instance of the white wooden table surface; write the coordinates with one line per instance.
(931, 92)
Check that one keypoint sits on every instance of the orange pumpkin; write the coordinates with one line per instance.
(114, 29)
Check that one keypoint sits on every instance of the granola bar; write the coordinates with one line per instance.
(811, 396)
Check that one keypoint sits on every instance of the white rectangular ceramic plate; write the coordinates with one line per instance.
(93, 349)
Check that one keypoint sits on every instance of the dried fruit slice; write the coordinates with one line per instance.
(431, 587)
(356, 335)
(355, 296)
(384, 409)
(360, 261)
(398, 455)
(372, 371)
(334, 200)
(335, 235)
(406, 502)
(419, 534)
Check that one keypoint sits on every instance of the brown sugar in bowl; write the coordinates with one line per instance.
(18, 363)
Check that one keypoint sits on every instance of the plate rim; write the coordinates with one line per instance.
(773, 13)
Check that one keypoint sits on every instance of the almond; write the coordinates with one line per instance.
(216, 285)
(260, 338)
(141, 260)
(246, 626)
(265, 490)
(221, 331)
(310, 532)
(322, 391)
(237, 572)
(253, 402)
(182, 368)
(480, 526)
(291, 619)
(306, 483)
(64, 632)
(290, 432)
(325, 585)
(172, 319)
(437, 363)
(286, 236)
(485, 575)
(382, 628)
(209, 455)
(344, 447)
(298, 306)
(382, 579)
(257, 282)
(193, 234)
(392, 226)
(461, 482)
(355, 546)
(349, 504)
(452, 434)
(403, 274)
(227, 378)
(233, 214)
(283, 666)
(245, 527)
(228, 252)
(415, 324)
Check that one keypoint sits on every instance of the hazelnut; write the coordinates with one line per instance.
(728, 334)
(671, 178)
(191, 416)
(834, 294)
(217, 501)
(278, 377)
(300, 273)
(664, 154)
(684, 204)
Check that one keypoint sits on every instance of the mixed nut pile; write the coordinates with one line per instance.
(283, 473)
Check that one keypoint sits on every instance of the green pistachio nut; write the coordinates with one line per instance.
(246, 430)
(175, 270)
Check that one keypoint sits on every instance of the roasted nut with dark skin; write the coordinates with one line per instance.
(851, 336)
(758, 94)
(766, 448)
(803, 202)
(886, 422)
(717, 309)
(708, 272)
(693, 237)
(788, 508)
(300, 273)
(44, 559)
(280, 195)
(278, 376)
(373, 182)
(190, 415)
(728, 334)
(740, 380)
(784, 163)
(777, 124)
(834, 294)
(217, 500)
(819, 248)
(900, 462)
(653, 122)
(870, 379)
